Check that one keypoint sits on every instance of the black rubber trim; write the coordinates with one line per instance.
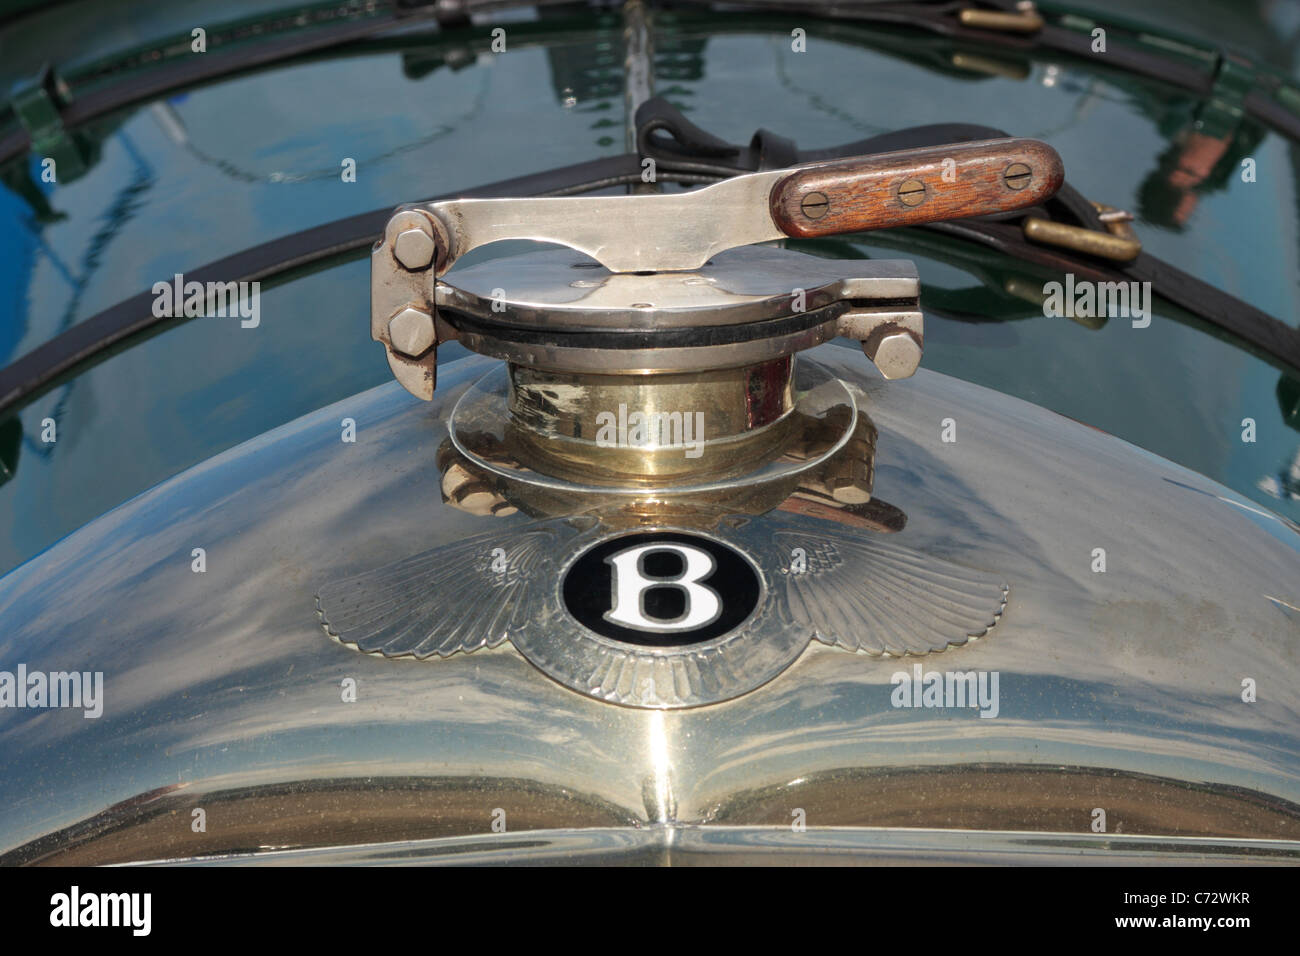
(620, 340)
(153, 82)
(1275, 341)
(150, 82)
(935, 17)
(43, 366)
(675, 142)
(941, 17)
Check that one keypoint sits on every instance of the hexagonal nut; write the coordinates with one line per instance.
(411, 332)
(849, 492)
(851, 480)
(414, 249)
(454, 478)
(897, 355)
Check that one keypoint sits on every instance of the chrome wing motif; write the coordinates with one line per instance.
(448, 599)
(859, 592)
(866, 593)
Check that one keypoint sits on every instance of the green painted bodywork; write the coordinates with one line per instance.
(173, 184)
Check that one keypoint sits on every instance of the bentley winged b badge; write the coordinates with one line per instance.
(657, 618)
(682, 506)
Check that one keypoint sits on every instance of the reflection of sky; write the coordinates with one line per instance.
(17, 255)
(224, 679)
(1268, 29)
(306, 120)
(80, 32)
(1167, 388)
(193, 391)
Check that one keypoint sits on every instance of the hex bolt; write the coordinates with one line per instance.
(473, 495)
(851, 484)
(414, 248)
(897, 355)
(411, 332)
(911, 192)
(815, 205)
(1017, 176)
(472, 492)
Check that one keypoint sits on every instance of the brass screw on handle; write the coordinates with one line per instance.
(911, 192)
(815, 205)
(1017, 176)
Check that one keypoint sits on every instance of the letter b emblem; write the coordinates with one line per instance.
(632, 582)
(661, 588)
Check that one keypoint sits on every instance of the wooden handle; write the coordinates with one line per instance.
(912, 186)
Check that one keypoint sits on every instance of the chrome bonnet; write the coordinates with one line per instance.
(1119, 691)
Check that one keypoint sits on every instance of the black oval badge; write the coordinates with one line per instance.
(661, 589)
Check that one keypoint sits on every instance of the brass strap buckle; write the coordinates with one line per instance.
(1118, 243)
(1025, 19)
